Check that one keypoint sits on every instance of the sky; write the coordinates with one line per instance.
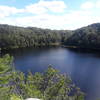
(52, 14)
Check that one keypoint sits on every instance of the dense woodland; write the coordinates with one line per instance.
(50, 85)
(86, 37)
(16, 37)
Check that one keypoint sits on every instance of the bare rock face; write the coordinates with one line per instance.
(32, 99)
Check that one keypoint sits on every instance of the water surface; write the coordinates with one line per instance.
(83, 67)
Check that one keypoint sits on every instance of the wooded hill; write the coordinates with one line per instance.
(16, 37)
(86, 37)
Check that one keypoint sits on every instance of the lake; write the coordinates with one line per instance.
(82, 66)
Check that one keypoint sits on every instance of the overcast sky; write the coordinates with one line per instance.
(53, 14)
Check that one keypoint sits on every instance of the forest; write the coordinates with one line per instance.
(86, 37)
(49, 85)
(17, 37)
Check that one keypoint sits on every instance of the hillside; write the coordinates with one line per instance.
(86, 37)
(16, 37)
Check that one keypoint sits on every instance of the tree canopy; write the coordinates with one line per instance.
(17, 37)
(49, 85)
(86, 37)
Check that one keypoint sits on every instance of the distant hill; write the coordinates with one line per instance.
(85, 37)
(16, 37)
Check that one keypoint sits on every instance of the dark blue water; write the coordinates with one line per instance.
(83, 67)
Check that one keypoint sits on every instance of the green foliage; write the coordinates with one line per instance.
(50, 85)
(5, 76)
(5, 63)
(86, 37)
(15, 97)
(16, 37)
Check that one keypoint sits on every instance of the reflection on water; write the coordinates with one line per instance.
(82, 66)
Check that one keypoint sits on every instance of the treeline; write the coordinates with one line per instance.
(50, 85)
(86, 37)
(16, 37)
